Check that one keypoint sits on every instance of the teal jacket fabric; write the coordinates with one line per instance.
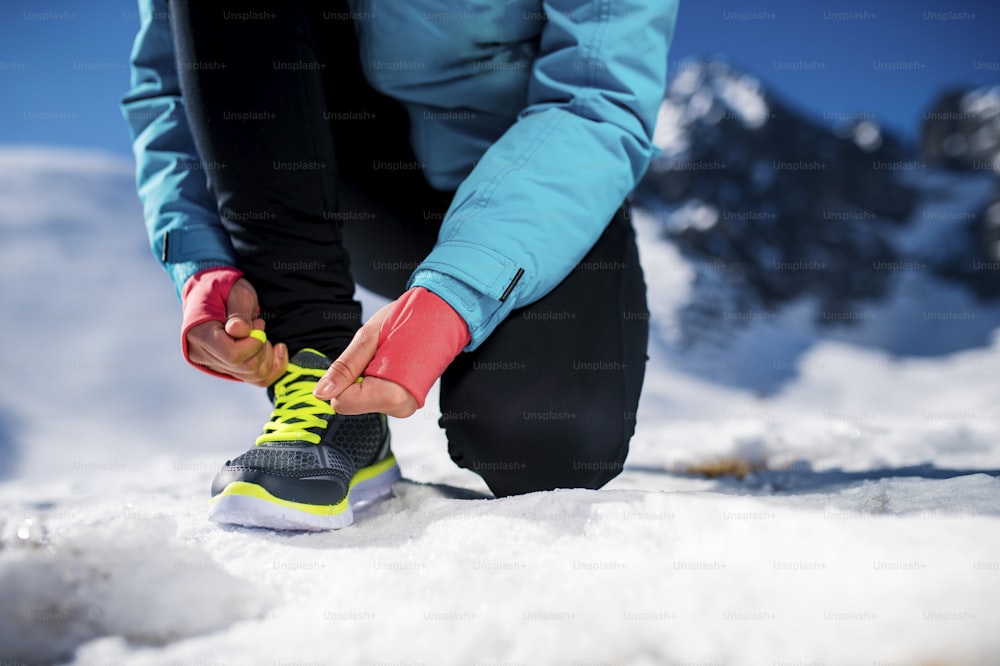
(540, 113)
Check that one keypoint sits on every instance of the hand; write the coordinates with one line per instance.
(348, 396)
(226, 348)
(401, 351)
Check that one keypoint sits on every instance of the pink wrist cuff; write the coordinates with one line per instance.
(419, 338)
(204, 298)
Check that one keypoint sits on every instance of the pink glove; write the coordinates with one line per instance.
(418, 339)
(204, 298)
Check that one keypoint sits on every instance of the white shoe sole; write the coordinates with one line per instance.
(248, 511)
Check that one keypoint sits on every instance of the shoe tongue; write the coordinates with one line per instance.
(306, 358)
(310, 358)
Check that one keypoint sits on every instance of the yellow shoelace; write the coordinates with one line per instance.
(295, 408)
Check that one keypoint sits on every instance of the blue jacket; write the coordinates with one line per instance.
(539, 112)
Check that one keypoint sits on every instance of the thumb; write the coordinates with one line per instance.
(347, 369)
(241, 309)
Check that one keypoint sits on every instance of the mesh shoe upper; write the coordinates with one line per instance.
(305, 440)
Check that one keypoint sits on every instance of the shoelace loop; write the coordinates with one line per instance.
(296, 409)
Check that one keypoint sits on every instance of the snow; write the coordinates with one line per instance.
(743, 96)
(868, 531)
(104, 569)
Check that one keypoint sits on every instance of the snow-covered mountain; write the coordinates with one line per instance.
(783, 216)
(866, 527)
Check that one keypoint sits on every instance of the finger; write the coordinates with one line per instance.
(233, 353)
(353, 361)
(241, 309)
(199, 338)
(210, 345)
(375, 395)
(268, 365)
(263, 369)
(259, 365)
(237, 326)
(279, 364)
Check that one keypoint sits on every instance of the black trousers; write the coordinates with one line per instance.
(294, 142)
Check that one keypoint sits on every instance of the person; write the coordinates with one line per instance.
(471, 162)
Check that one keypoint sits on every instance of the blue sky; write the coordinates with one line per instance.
(63, 64)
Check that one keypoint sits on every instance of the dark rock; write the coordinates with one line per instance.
(973, 258)
(961, 130)
(787, 207)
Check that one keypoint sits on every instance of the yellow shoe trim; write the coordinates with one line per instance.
(248, 489)
(253, 490)
(372, 471)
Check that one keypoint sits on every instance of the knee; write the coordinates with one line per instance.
(533, 452)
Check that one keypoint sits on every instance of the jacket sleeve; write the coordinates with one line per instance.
(181, 216)
(543, 193)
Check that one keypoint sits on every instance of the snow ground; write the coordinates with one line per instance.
(869, 535)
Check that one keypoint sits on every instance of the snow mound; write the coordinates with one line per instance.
(613, 576)
(869, 534)
(65, 585)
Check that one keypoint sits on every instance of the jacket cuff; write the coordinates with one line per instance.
(479, 283)
(192, 247)
(183, 271)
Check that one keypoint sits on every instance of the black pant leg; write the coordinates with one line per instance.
(549, 399)
(390, 214)
(254, 85)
